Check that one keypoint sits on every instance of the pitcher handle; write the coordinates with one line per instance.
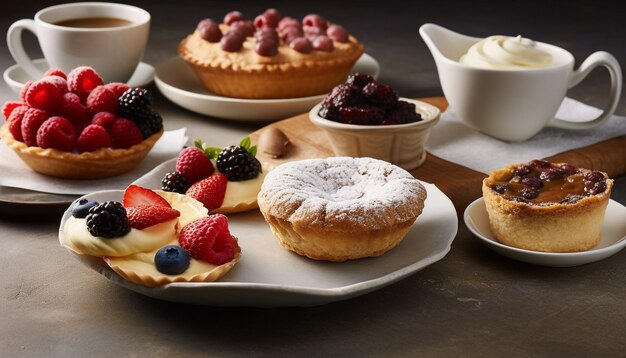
(600, 58)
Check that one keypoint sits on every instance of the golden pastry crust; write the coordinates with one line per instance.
(289, 74)
(551, 227)
(102, 163)
(139, 268)
(341, 208)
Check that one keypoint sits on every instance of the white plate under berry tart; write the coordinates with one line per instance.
(179, 84)
(269, 276)
(613, 238)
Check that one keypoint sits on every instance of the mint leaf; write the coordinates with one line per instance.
(252, 150)
(212, 152)
(246, 143)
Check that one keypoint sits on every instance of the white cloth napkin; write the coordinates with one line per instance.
(451, 139)
(14, 173)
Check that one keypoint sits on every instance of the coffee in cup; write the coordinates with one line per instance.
(109, 37)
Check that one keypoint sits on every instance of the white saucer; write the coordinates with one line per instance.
(612, 241)
(15, 77)
(178, 83)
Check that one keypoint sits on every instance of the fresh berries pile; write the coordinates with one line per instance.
(196, 176)
(209, 239)
(78, 112)
(362, 100)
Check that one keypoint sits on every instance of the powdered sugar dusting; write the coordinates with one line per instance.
(342, 191)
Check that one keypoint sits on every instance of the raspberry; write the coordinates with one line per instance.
(108, 219)
(43, 95)
(209, 191)
(174, 182)
(104, 119)
(33, 119)
(237, 163)
(71, 108)
(118, 88)
(15, 122)
(193, 164)
(8, 107)
(82, 80)
(24, 90)
(58, 133)
(124, 134)
(56, 72)
(208, 239)
(92, 138)
(102, 99)
(60, 82)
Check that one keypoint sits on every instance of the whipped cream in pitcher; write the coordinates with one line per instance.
(506, 53)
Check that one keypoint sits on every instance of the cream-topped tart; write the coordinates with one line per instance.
(154, 237)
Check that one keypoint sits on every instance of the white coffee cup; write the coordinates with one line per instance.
(513, 105)
(113, 50)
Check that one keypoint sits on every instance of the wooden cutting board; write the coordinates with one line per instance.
(462, 185)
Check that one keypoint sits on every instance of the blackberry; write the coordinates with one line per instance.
(380, 95)
(329, 112)
(108, 220)
(344, 95)
(237, 163)
(148, 123)
(360, 79)
(175, 182)
(135, 102)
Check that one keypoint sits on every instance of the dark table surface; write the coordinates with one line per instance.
(472, 303)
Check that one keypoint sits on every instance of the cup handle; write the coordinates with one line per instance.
(14, 41)
(600, 58)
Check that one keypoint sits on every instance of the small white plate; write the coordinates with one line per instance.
(179, 84)
(15, 77)
(271, 276)
(613, 238)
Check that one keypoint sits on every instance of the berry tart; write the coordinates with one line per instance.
(271, 56)
(549, 207)
(74, 126)
(232, 188)
(153, 237)
(340, 208)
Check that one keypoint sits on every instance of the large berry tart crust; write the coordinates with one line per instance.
(270, 57)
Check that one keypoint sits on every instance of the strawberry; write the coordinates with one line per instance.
(58, 133)
(92, 138)
(208, 239)
(209, 191)
(124, 134)
(8, 107)
(193, 164)
(143, 216)
(139, 196)
(83, 80)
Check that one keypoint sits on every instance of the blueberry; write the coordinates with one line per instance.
(500, 188)
(529, 194)
(80, 209)
(171, 260)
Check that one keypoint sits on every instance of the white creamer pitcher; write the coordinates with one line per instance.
(513, 105)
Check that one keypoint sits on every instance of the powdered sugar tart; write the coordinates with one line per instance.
(274, 57)
(340, 208)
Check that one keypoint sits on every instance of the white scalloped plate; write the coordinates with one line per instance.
(270, 276)
(613, 238)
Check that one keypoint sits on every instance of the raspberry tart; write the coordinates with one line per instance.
(340, 208)
(225, 180)
(153, 237)
(74, 126)
(549, 207)
(270, 56)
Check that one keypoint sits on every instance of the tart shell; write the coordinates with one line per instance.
(548, 228)
(103, 163)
